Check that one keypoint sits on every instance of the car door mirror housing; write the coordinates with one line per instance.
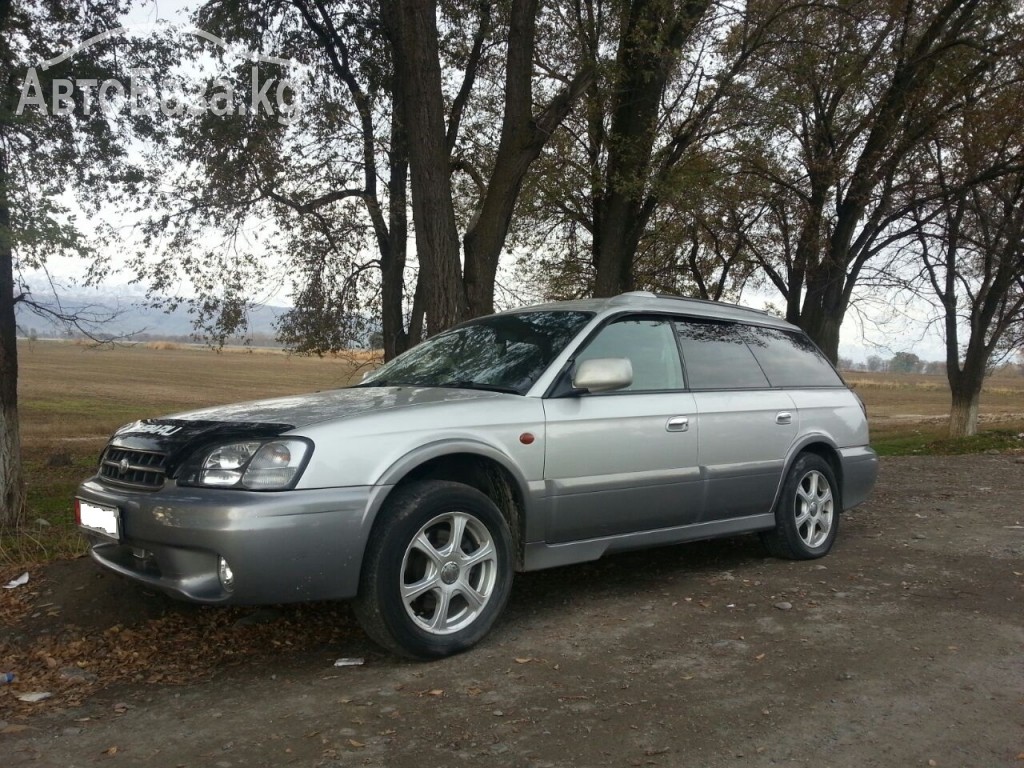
(603, 374)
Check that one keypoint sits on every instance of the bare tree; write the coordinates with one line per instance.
(454, 71)
(970, 238)
(624, 190)
(44, 153)
(842, 99)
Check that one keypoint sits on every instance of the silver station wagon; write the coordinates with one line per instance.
(529, 439)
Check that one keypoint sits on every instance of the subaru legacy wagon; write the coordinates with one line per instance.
(528, 439)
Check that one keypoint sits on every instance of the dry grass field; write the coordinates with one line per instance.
(73, 396)
(81, 392)
(924, 398)
(907, 411)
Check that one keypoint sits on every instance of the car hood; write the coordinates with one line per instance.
(180, 434)
(281, 414)
(303, 410)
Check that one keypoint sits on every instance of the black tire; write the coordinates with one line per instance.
(455, 605)
(807, 513)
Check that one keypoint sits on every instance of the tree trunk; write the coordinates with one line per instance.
(12, 484)
(614, 260)
(523, 136)
(963, 413)
(483, 242)
(417, 63)
(393, 251)
(653, 34)
(965, 379)
(824, 308)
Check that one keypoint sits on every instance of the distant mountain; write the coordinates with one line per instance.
(132, 315)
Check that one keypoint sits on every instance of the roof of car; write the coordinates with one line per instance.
(645, 301)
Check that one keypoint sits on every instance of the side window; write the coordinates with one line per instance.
(716, 356)
(650, 348)
(790, 359)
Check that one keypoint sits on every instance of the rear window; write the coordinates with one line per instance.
(736, 356)
(716, 356)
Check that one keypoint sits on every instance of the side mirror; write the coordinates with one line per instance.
(603, 374)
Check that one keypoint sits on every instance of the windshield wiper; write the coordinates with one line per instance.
(467, 384)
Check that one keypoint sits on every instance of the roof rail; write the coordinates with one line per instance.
(652, 295)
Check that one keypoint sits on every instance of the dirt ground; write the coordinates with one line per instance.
(904, 647)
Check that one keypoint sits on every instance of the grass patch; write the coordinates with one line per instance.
(52, 473)
(921, 442)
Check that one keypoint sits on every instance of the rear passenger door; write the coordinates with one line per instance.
(746, 426)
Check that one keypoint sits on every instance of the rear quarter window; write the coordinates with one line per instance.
(790, 359)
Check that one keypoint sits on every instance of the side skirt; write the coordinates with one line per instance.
(540, 555)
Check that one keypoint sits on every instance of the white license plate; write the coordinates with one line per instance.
(106, 520)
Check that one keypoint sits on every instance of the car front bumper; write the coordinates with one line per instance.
(288, 546)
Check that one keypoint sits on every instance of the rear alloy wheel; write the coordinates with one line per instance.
(437, 572)
(807, 513)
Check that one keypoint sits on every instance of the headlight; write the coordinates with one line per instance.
(275, 465)
(226, 464)
(252, 464)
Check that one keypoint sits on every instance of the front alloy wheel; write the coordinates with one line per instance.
(449, 573)
(437, 570)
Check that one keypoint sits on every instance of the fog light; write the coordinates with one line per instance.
(227, 578)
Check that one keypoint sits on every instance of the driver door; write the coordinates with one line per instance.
(624, 461)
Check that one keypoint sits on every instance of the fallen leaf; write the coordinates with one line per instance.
(759, 656)
(436, 692)
(355, 744)
(526, 660)
(35, 696)
(474, 691)
(110, 751)
(14, 729)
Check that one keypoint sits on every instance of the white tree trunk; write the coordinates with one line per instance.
(963, 415)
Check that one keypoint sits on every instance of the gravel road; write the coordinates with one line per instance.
(904, 647)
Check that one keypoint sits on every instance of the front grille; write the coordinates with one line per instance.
(136, 469)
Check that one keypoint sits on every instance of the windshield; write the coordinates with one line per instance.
(505, 353)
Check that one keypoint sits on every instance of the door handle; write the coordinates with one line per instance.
(678, 424)
(784, 417)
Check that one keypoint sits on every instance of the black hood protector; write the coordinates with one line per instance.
(180, 438)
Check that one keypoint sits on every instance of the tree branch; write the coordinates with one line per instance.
(472, 66)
